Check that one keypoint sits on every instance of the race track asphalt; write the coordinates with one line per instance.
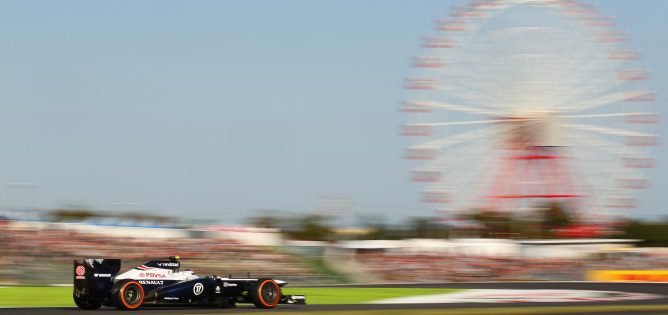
(652, 288)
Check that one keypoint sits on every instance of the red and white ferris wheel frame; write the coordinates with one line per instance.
(512, 142)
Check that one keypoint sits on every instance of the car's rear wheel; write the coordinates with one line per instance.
(127, 295)
(265, 293)
(86, 304)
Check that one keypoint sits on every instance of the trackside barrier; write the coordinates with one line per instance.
(628, 275)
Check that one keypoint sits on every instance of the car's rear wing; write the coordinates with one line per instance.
(93, 277)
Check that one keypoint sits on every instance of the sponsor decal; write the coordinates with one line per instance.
(152, 282)
(102, 275)
(628, 275)
(217, 289)
(80, 271)
(227, 284)
(152, 275)
(198, 288)
(168, 264)
(171, 298)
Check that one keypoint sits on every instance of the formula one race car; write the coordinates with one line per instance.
(162, 283)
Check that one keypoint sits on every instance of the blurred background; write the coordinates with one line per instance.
(330, 142)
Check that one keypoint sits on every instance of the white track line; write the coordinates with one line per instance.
(521, 296)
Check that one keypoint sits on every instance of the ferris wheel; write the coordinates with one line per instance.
(520, 102)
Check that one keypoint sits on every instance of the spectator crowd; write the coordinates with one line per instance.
(45, 256)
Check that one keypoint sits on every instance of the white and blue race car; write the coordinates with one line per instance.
(97, 283)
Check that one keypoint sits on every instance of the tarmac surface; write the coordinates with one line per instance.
(649, 288)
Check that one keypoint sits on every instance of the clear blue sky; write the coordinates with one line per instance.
(215, 109)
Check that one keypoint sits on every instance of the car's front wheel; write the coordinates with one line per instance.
(265, 293)
(127, 295)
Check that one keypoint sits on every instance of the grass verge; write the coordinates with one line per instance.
(36, 296)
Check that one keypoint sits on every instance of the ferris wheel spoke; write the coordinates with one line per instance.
(456, 139)
(643, 114)
(466, 94)
(600, 171)
(456, 123)
(459, 191)
(426, 106)
(594, 142)
(591, 85)
(462, 88)
(463, 153)
(609, 131)
(596, 159)
(612, 98)
(484, 167)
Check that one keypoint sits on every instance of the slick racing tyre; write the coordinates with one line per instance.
(86, 304)
(127, 295)
(265, 293)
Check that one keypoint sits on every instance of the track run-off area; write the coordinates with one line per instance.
(444, 298)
